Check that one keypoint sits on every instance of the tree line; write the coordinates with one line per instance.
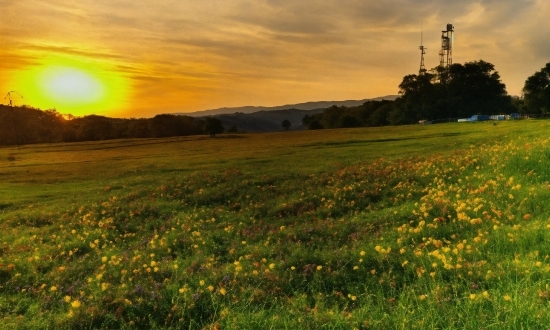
(459, 91)
(28, 125)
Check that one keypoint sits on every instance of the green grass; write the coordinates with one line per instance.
(437, 226)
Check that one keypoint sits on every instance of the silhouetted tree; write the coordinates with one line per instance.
(286, 124)
(232, 129)
(536, 91)
(213, 126)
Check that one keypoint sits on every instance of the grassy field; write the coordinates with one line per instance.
(437, 226)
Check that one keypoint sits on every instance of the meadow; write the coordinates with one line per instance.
(412, 227)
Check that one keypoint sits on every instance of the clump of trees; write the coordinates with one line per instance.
(31, 125)
(536, 92)
(461, 90)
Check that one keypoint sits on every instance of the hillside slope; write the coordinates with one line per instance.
(299, 106)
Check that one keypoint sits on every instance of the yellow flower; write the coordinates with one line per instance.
(104, 259)
(75, 304)
(67, 298)
(210, 288)
(271, 266)
(355, 267)
(292, 268)
(362, 253)
(183, 290)
(507, 298)
(472, 296)
(201, 282)
(53, 288)
(422, 297)
(485, 294)
(222, 291)
(319, 267)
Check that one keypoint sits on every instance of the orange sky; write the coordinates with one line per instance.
(136, 59)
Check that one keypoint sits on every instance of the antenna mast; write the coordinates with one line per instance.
(446, 52)
(8, 96)
(422, 70)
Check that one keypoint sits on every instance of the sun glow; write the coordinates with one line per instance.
(74, 86)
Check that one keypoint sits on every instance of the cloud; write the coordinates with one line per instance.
(220, 53)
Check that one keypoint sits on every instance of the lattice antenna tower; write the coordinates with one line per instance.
(446, 52)
(422, 70)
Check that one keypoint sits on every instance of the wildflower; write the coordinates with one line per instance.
(67, 299)
(472, 296)
(355, 267)
(183, 290)
(53, 288)
(422, 297)
(507, 298)
(319, 267)
(292, 268)
(362, 253)
(271, 266)
(75, 304)
(201, 282)
(210, 288)
(104, 259)
(485, 294)
(223, 292)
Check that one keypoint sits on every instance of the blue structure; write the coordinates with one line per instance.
(480, 118)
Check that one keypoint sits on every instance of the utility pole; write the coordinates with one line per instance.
(8, 96)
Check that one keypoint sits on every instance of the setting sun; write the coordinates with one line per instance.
(70, 85)
(73, 86)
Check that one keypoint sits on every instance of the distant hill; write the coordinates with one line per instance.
(265, 121)
(299, 106)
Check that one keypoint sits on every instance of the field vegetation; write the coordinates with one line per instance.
(438, 226)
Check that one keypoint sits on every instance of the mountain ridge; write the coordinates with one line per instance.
(312, 105)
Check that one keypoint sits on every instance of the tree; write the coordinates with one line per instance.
(213, 126)
(233, 129)
(460, 90)
(536, 91)
(286, 124)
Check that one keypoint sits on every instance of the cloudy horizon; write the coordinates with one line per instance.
(185, 56)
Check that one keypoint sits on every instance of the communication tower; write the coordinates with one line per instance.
(446, 52)
(422, 70)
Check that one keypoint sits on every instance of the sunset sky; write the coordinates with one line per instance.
(125, 58)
